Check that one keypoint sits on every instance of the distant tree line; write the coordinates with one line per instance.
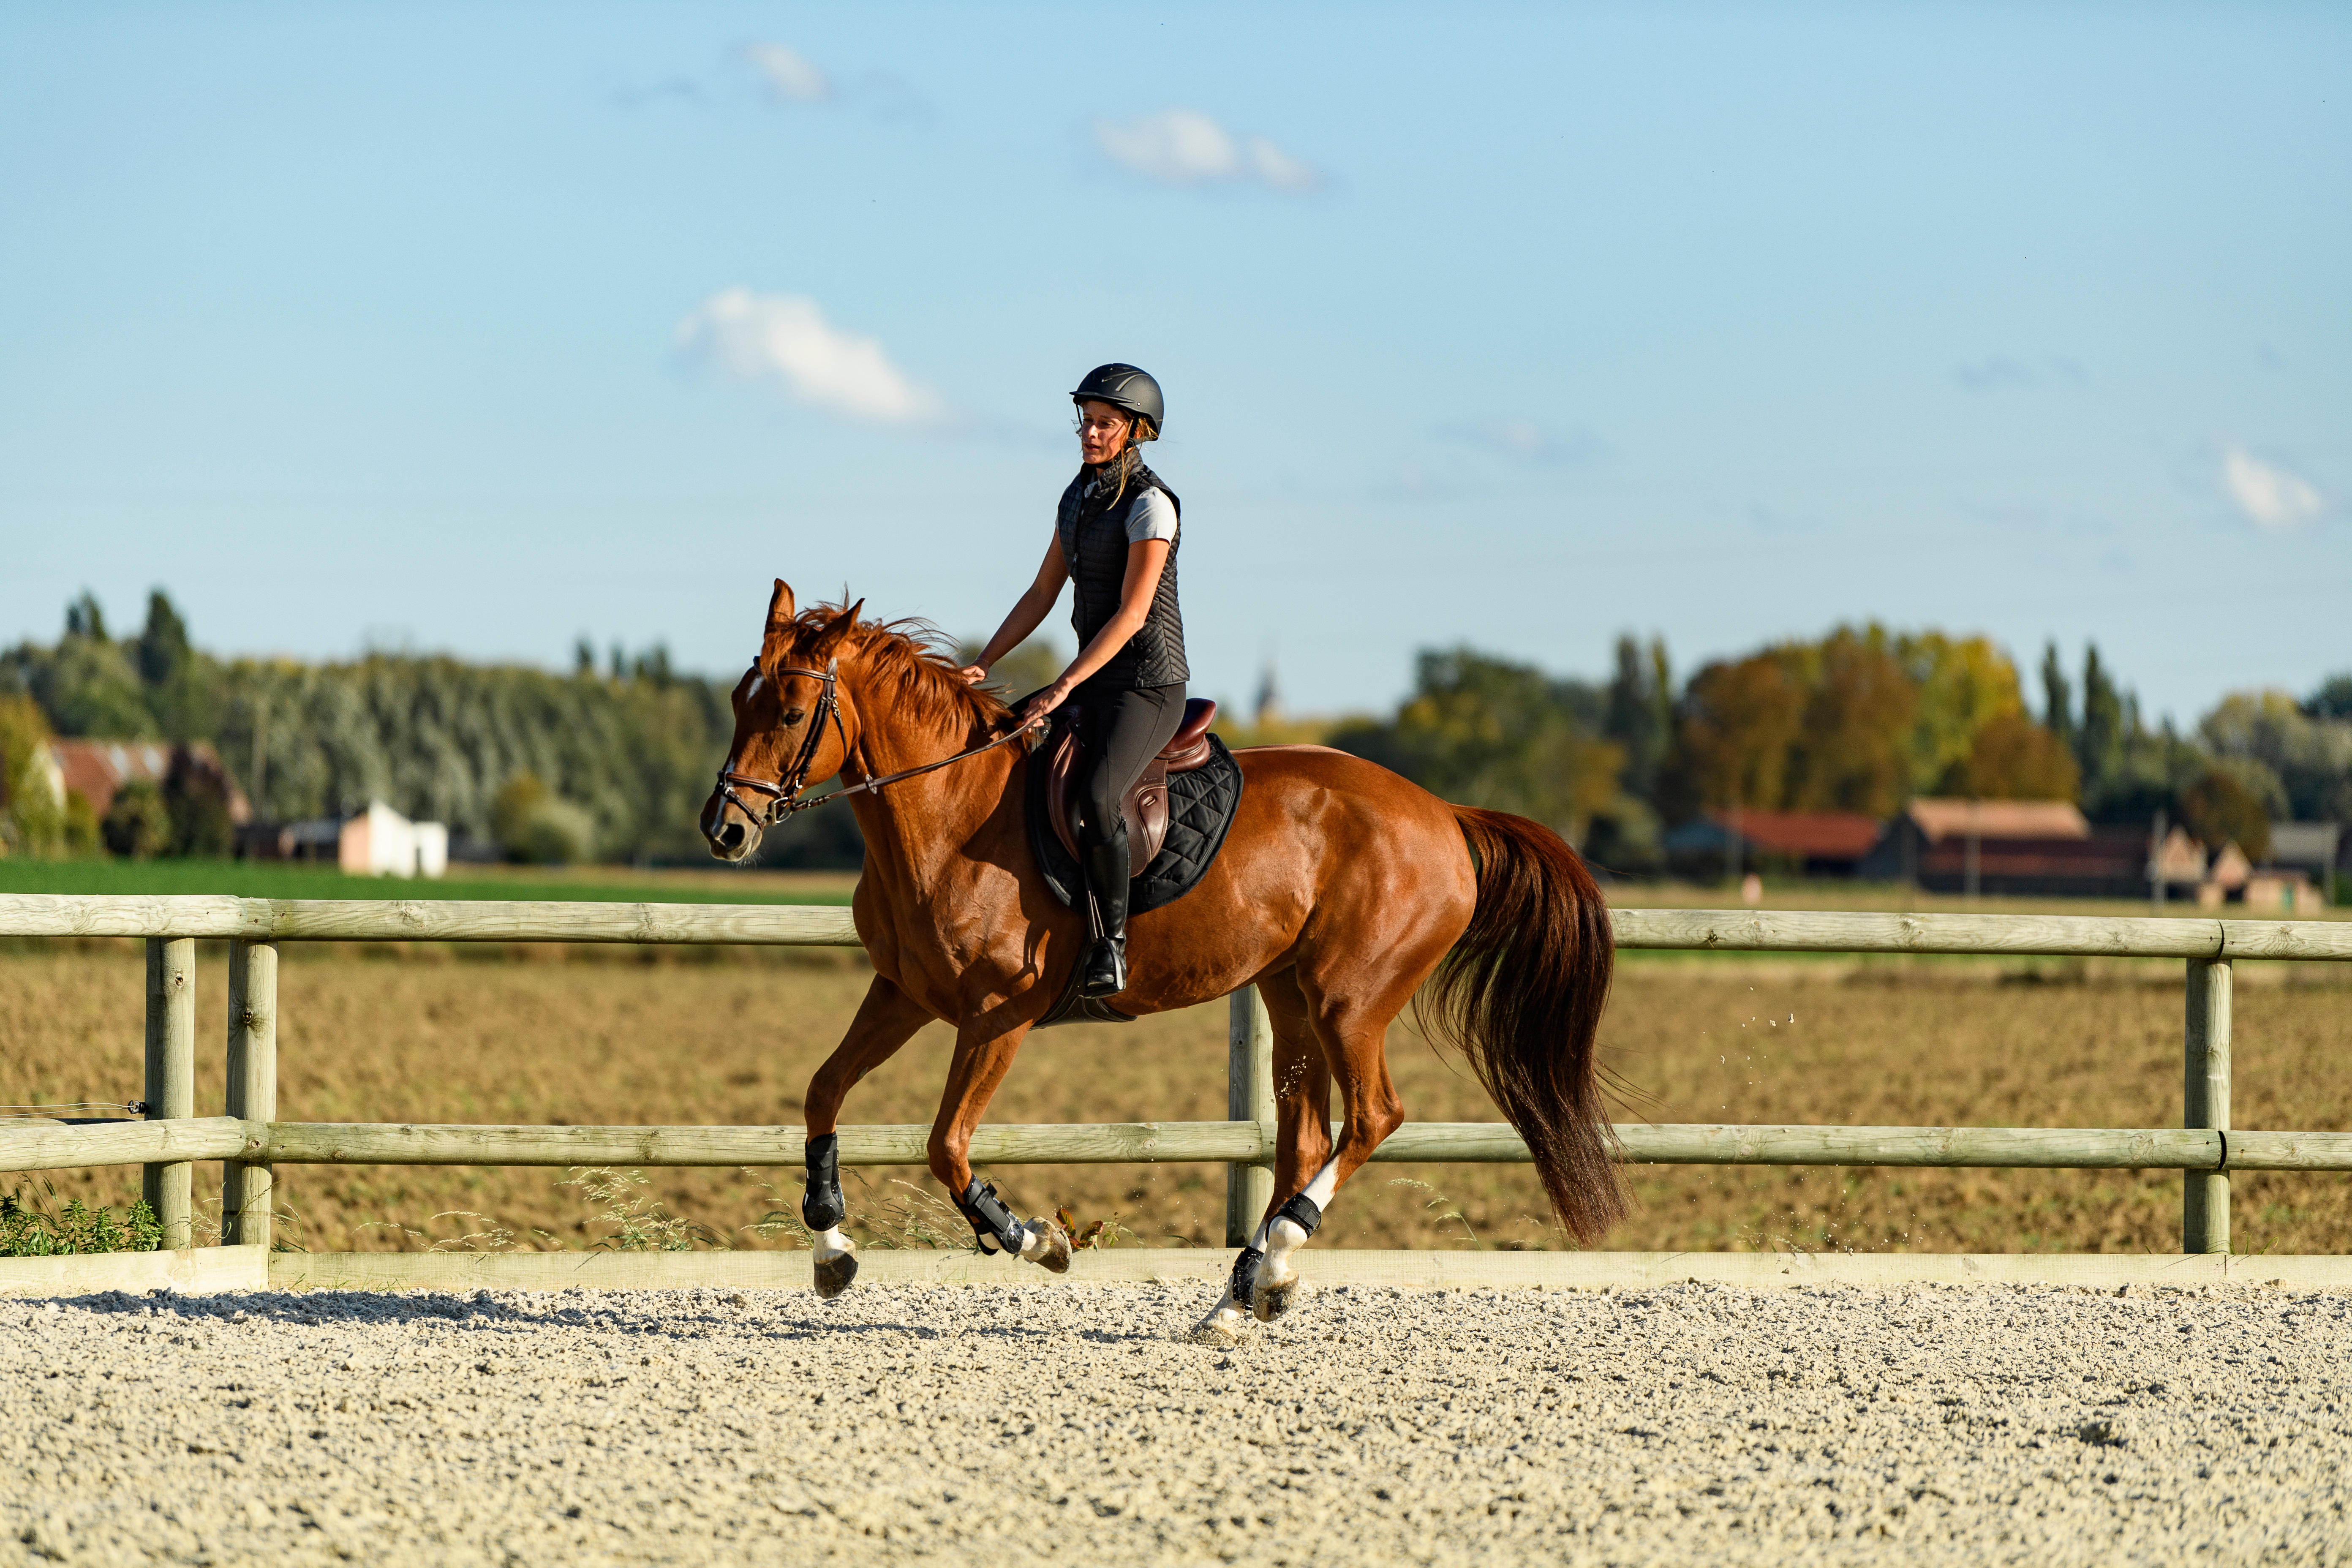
(613, 763)
(1861, 720)
(609, 764)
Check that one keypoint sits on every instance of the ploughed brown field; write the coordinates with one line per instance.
(613, 1037)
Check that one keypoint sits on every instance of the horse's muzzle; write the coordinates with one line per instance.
(730, 834)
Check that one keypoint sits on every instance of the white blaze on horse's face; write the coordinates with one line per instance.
(766, 732)
(767, 723)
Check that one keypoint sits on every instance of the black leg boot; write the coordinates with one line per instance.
(1106, 960)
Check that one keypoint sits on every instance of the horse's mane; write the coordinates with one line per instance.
(917, 666)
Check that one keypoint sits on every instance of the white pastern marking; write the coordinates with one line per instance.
(1285, 1236)
(1326, 1182)
(1033, 1240)
(831, 1243)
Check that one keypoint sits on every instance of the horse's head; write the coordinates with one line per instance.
(789, 734)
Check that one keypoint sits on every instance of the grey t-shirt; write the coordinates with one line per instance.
(1151, 516)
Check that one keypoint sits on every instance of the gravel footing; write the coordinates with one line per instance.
(1004, 1424)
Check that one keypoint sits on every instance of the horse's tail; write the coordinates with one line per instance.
(1521, 995)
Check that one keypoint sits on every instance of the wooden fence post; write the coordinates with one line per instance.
(171, 1079)
(2205, 1102)
(245, 1196)
(1249, 1097)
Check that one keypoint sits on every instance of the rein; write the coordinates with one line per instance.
(784, 795)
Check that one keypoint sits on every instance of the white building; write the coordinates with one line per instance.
(380, 842)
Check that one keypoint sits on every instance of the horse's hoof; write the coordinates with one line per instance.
(1221, 1328)
(1274, 1298)
(834, 1275)
(1053, 1248)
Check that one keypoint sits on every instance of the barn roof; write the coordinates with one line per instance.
(1938, 819)
(1817, 835)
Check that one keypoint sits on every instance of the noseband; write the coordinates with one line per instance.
(785, 795)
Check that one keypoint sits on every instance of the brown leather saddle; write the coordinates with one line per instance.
(1146, 806)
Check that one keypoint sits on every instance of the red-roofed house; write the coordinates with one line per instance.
(95, 770)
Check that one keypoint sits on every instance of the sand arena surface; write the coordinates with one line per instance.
(1073, 1424)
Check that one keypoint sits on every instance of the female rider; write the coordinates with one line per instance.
(1115, 541)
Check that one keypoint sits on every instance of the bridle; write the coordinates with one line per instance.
(784, 795)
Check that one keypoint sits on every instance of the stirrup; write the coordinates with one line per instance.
(1106, 968)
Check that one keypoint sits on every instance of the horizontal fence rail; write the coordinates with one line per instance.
(37, 1147)
(803, 925)
(425, 920)
(251, 1140)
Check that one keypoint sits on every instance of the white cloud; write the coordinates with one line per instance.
(1518, 435)
(788, 75)
(2270, 496)
(755, 336)
(1180, 146)
(1184, 147)
(1524, 438)
(1279, 169)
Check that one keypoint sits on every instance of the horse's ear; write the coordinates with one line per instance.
(839, 628)
(780, 608)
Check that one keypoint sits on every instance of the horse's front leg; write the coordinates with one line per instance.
(886, 1020)
(983, 1055)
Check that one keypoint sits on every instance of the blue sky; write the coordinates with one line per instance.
(488, 328)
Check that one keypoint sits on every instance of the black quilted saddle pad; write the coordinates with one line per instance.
(1201, 806)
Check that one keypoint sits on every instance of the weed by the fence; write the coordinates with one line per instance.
(912, 1217)
(1101, 1233)
(1439, 1200)
(286, 1229)
(35, 1230)
(491, 1238)
(782, 1220)
(639, 1224)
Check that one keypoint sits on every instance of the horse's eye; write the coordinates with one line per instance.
(792, 715)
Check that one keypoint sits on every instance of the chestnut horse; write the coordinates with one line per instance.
(1340, 890)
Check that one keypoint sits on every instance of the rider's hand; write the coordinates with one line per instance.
(1035, 711)
(973, 674)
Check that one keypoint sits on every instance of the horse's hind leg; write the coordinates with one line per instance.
(886, 1020)
(1350, 1014)
(1373, 1112)
(1302, 1091)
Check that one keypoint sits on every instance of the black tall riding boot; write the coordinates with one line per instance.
(1105, 961)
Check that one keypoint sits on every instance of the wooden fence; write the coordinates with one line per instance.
(251, 1140)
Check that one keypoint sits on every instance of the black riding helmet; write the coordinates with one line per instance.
(1123, 387)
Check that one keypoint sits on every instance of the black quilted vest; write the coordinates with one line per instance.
(1094, 548)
